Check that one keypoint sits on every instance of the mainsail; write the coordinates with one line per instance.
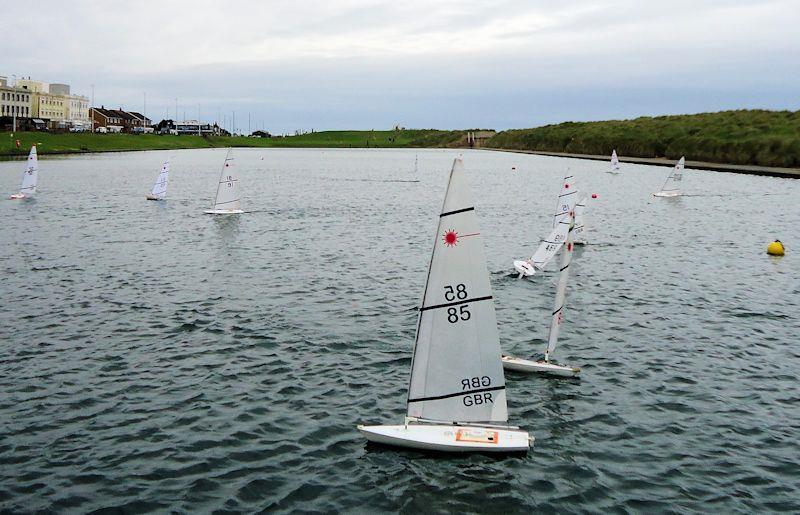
(558, 309)
(579, 231)
(160, 187)
(614, 162)
(672, 185)
(561, 223)
(29, 176)
(227, 189)
(456, 372)
(566, 199)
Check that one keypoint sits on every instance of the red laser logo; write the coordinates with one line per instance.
(450, 238)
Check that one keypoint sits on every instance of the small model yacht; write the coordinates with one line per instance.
(28, 187)
(159, 191)
(672, 186)
(457, 390)
(552, 243)
(556, 319)
(228, 199)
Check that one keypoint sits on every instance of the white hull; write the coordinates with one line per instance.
(449, 438)
(18, 196)
(667, 194)
(524, 268)
(223, 211)
(538, 367)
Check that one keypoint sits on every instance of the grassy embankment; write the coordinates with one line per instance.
(764, 138)
(86, 142)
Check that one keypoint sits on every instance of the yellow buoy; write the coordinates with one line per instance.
(775, 248)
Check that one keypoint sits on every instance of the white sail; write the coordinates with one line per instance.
(579, 230)
(160, 187)
(227, 190)
(456, 372)
(566, 199)
(614, 162)
(672, 186)
(28, 186)
(558, 308)
(549, 246)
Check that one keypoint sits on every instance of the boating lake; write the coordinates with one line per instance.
(156, 358)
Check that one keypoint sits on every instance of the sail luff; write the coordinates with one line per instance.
(456, 372)
(557, 316)
(30, 175)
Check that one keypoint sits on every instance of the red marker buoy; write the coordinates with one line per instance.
(594, 195)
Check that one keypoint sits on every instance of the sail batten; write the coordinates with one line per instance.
(456, 372)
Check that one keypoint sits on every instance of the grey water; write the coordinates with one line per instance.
(154, 358)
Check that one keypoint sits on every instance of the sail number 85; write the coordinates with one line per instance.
(458, 293)
(450, 294)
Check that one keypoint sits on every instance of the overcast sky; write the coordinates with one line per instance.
(362, 64)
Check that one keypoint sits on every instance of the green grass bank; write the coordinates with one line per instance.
(69, 143)
(745, 137)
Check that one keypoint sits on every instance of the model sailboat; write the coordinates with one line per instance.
(456, 394)
(672, 186)
(553, 242)
(614, 162)
(227, 201)
(28, 187)
(557, 317)
(160, 187)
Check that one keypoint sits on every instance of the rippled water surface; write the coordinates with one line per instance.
(156, 358)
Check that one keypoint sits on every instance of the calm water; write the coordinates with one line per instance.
(155, 358)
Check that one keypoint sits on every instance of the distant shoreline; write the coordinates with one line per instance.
(771, 171)
(88, 143)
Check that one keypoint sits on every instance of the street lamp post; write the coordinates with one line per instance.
(14, 108)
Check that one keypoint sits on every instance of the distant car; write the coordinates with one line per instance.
(101, 130)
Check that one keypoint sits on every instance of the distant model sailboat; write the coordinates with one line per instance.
(614, 162)
(457, 392)
(227, 201)
(28, 187)
(557, 317)
(553, 242)
(160, 187)
(672, 186)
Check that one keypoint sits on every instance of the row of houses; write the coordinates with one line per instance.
(119, 120)
(40, 105)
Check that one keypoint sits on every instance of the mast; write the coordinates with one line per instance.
(557, 316)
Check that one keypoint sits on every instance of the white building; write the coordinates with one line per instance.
(14, 102)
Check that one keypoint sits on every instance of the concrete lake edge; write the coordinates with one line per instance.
(771, 171)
